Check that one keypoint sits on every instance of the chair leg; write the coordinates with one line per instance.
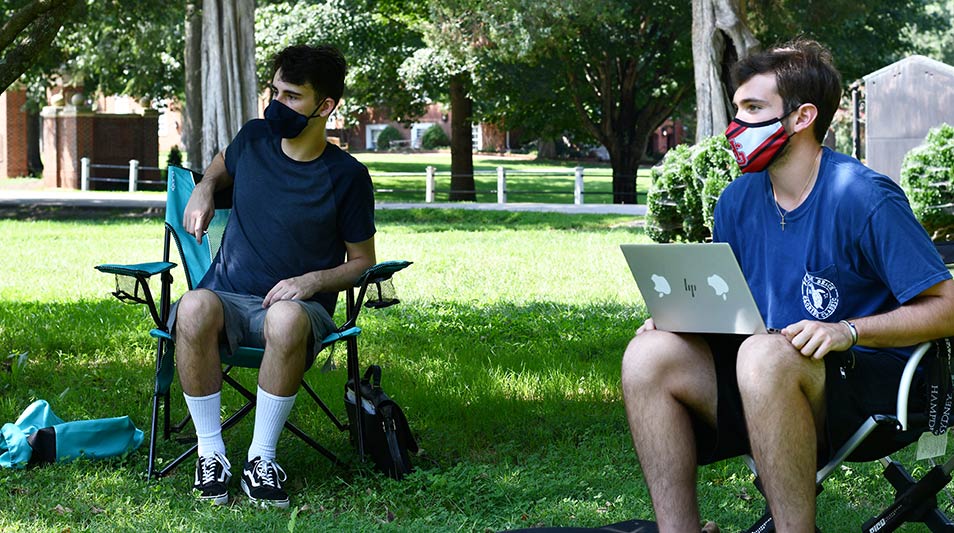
(314, 444)
(915, 501)
(228, 423)
(331, 416)
(764, 524)
(354, 374)
(153, 432)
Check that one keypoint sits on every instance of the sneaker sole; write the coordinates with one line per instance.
(214, 500)
(280, 504)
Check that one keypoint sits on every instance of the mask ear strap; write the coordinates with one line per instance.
(315, 113)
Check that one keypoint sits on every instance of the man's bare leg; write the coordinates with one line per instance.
(783, 394)
(665, 377)
(287, 331)
(199, 324)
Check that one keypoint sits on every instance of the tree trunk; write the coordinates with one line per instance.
(27, 34)
(626, 150)
(720, 37)
(462, 141)
(229, 86)
(192, 112)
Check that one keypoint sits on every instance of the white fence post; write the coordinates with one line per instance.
(429, 185)
(133, 174)
(84, 174)
(501, 185)
(578, 187)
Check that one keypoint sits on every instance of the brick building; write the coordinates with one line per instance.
(13, 134)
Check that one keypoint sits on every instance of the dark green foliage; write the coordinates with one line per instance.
(387, 136)
(716, 166)
(175, 157)
(434, 137)
(927, 176)
(685, 188)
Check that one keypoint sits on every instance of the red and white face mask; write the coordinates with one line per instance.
(756, 145)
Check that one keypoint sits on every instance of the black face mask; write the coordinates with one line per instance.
(285, 121)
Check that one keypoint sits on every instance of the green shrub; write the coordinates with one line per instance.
(715, 165)
(434, 137)
(927, 177)
(685, 187)
(387, 136)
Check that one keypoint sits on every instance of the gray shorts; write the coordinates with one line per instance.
(245, 322)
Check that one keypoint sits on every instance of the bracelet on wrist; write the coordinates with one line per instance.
(853, 330)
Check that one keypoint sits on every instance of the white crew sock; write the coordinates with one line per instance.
(271, 412)
(207, 418)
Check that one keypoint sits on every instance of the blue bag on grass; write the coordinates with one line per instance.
(39, 437)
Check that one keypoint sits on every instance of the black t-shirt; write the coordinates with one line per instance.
(288, 217)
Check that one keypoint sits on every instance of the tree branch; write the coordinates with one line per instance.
(23, 18)
(37, 35)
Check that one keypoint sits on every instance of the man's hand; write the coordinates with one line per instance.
(298, 288)
(647, 326)
(198, 212)
(816, 339)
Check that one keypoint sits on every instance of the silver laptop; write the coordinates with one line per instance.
(697, 288)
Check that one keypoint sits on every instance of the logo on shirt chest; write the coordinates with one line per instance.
(819, 296)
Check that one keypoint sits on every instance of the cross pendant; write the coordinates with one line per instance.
(782, 223)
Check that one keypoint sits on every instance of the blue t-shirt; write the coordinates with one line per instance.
(288, 217)
(852, 249)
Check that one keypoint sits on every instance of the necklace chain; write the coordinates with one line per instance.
(811, 176)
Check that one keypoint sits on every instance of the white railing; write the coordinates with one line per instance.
(133, 177)
(431, 174)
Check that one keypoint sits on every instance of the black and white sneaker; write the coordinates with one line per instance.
(212, 476)
(262, 483)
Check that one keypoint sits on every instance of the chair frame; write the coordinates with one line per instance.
(142, 294)
(915, 500)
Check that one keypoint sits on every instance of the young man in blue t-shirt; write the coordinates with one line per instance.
(837, 263)
(301, 230)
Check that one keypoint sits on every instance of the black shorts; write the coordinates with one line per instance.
(857, 385)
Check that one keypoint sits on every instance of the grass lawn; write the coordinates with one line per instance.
(504, 353)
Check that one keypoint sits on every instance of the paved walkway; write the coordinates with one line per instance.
(74, 198)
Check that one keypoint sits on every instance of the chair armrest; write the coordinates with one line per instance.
(138, 292)
(138, 270)
(904, 388)
(381, 271)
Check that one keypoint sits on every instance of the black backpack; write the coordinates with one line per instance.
(387, 435)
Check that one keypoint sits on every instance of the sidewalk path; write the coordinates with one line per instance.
(74, 198)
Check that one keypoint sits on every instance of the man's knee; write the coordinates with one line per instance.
(769, 362)
(287, 323)
(653, 355)
(199, 312)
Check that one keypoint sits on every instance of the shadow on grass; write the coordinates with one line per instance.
(91, 215)
(517, 408)
(478, 382)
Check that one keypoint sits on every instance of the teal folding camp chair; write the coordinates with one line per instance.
(374, 290)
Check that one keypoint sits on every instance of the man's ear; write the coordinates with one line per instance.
(327, 106)
(805, 117)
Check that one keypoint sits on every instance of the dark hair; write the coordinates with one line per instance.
(322, 66)
(804, 74)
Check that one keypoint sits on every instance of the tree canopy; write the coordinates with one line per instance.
(864, 36)
(108, 46)
(29, 29)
